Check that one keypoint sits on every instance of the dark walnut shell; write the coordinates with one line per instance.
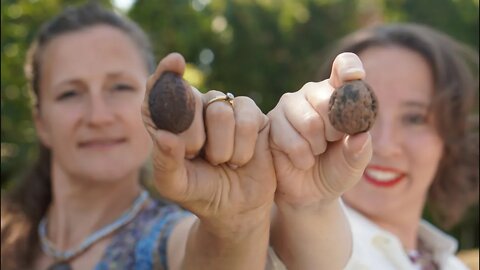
(171, 103)
(353, 107)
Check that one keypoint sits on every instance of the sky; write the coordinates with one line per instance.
(123, 4)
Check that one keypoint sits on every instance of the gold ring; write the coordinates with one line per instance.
(228, 98)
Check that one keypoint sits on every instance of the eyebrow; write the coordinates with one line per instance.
(68, 81)
(416, 104)
(115, 74)
(121, 74)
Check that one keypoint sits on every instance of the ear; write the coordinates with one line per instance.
(41, 127)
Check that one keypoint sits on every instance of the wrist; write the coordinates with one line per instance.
(240, 246)
(313, 207)
(237, 226)
(296, 231)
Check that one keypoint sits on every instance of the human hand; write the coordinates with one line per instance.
(314, 163)
(220, 168)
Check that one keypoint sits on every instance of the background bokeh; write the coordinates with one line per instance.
(259, 48)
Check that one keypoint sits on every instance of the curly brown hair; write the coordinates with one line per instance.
(455, 73)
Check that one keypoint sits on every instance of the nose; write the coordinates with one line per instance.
(98, 111)
(386, 138)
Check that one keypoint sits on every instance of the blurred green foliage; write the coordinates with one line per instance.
(259, 48)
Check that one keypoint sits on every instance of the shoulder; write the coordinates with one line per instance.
(159, 220)
(156, 220)
(453, 262)
(442, 245)
(142, 242)
(375, 248)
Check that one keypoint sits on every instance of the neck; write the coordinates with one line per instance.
(80, 207)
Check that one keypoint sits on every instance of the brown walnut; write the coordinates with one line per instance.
(171, 103)
(353, 107)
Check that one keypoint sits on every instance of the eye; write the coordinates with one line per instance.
(123, 87)
(415, 119)
(67, 95)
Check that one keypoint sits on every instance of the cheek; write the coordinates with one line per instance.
(425, 153)
(141, 138)
(136, 121)
(60, 124)
(142, 145)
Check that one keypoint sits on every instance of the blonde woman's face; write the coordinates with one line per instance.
(406, 146)
(91, 90)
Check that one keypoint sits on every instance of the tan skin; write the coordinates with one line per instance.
(406, 143)
(87, 116)
(303, 157)
(314, 165)
(234, 206)
(92, 123)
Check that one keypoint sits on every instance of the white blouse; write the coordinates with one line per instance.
(377, 249)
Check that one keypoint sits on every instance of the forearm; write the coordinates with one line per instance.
(312, 239)
(244, 247)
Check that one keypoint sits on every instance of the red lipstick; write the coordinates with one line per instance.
(382, 176)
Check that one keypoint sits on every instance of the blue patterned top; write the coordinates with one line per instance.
(142, 244)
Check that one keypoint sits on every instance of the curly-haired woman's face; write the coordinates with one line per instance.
(406, 146)
(91, 89)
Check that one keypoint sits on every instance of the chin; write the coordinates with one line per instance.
(101, 175)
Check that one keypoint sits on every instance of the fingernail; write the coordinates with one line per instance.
(232, 166)
(360, 151)
(190, 156)
(353, 73)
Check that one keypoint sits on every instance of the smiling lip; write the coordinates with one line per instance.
(383, 176)
(101, 143)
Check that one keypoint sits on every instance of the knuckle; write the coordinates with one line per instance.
(219, 111)
(246, 126)
(241, 159)
(309, 85)
(286, 97)
(320, 147)
(244, 99)
(312, 125)
(216, 157)
(297, 148)
(213, 93)
(198, 142)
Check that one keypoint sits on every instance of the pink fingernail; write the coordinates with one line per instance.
(232, 166)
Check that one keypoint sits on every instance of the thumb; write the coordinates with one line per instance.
(357, 151)
(172, 62)
(261, 164)
(170, 176)
(262, 160)
(347, 66)
(262, 154)
(345, 161)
